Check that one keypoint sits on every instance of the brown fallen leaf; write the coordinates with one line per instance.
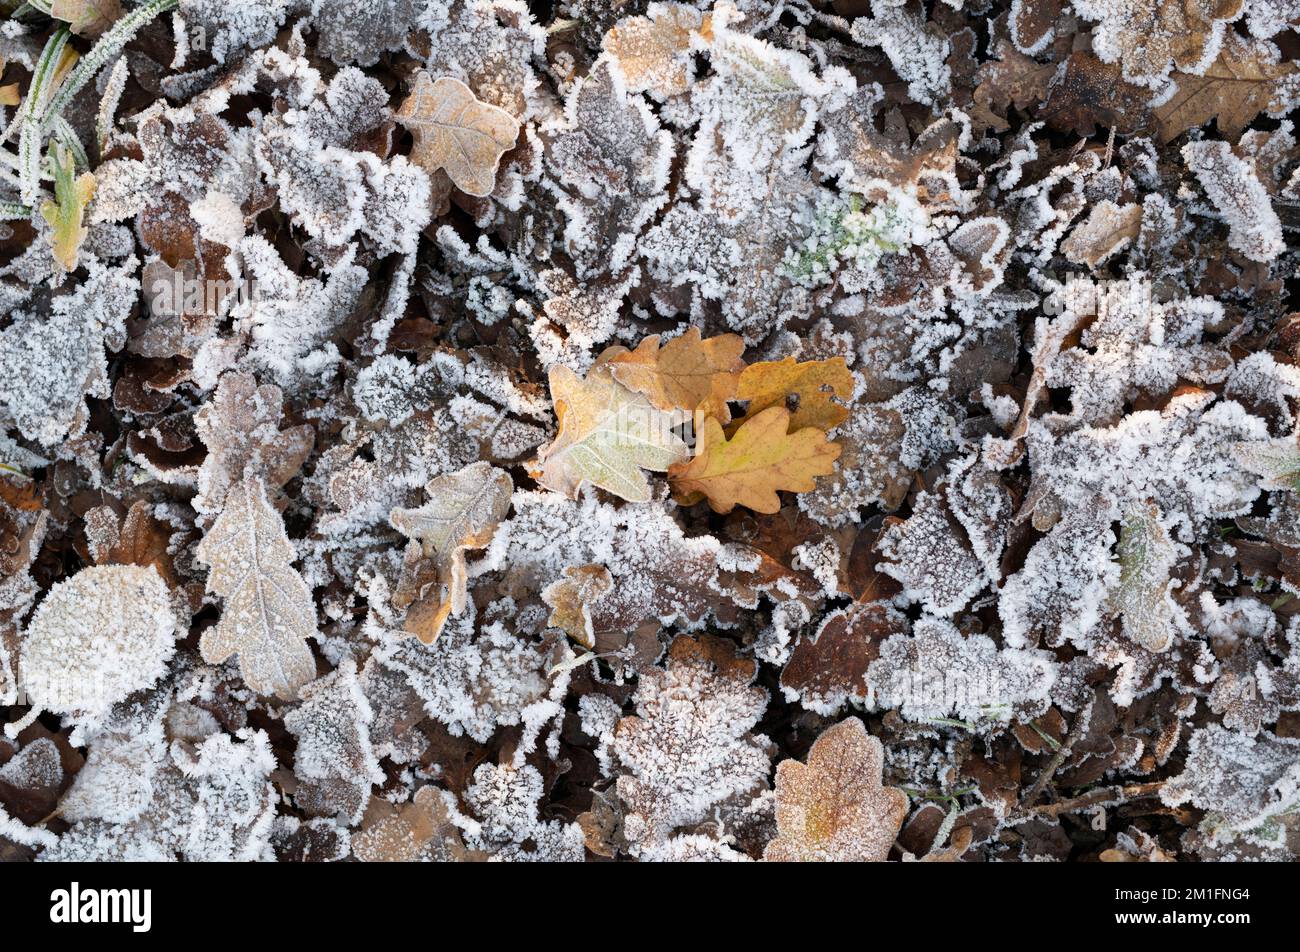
(761, 458)
(654, 52)
(1089, 93)
(1106, 231)
(833, 808)
(419, 830)
(1012, 79)
(571, 597)
(1245, 80)
(687, 373)
(809, 385)
(455, 132)
(87, 17)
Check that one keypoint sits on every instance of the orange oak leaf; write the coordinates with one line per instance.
(761, 458)
(455, 132)
(833, 808)
(687, 373)
(808, 384)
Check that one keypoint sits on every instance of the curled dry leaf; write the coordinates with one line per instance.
(571, 597)
(749, 468)
(833, 808)
(268, 615)
(455, 132)
(463, 511)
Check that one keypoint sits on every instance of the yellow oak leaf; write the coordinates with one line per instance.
(72, 193)
(761, 458)
(833, 808)
(455, 132)
(687, 373)
(811, 383)
(608, 434)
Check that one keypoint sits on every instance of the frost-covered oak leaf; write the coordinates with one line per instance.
(240, 426)
(269, 613)
(1150, 36)
(806, 388)
(654, 51)
(749, 468)
(938, 672)
(608, 434)
(334, 761)
(1248, 77)
(687, 373)
(455, 132)
(688, 748)
(463, 511)
(833, 808)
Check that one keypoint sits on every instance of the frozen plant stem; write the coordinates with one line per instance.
(1076, 731)
(109, 45)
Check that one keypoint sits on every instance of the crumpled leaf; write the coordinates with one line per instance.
(268, 614)
(608, 434)
(687, 373)
(463, 511)
(455, 132)
(759, 459)
(833, 808)
(570, 599)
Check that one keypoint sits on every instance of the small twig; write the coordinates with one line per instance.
(1076, 731)
(1111, 795)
